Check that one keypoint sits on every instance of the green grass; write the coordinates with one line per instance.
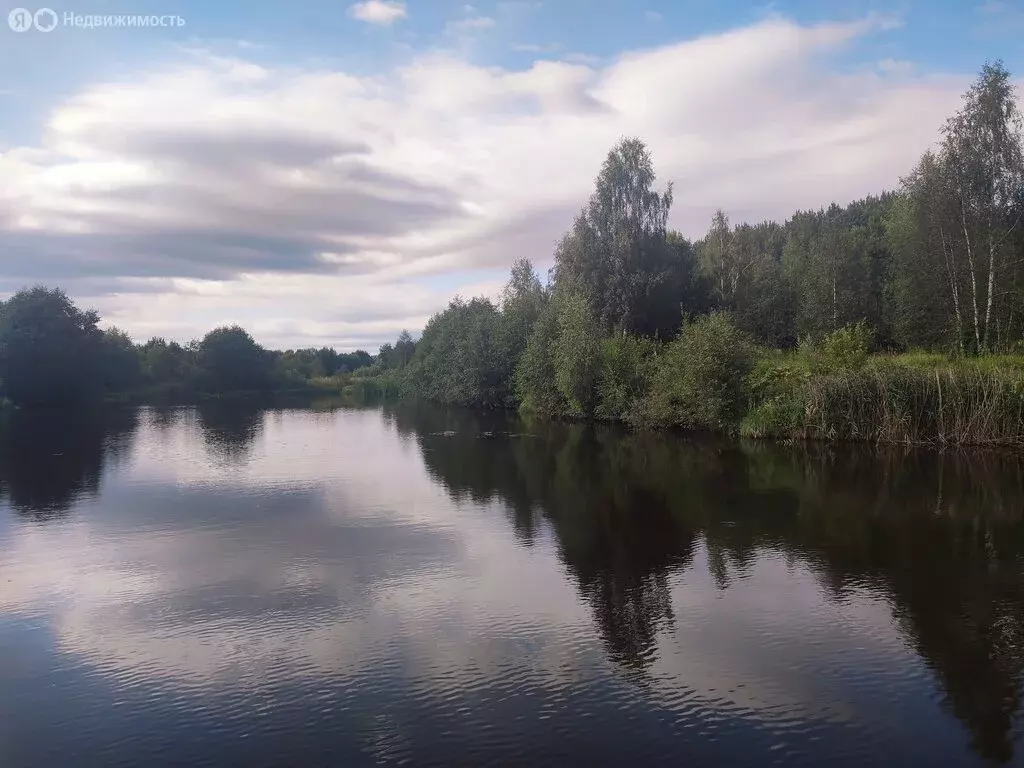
(916, 398)
(385, 385)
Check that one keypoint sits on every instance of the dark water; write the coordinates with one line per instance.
(355, 587)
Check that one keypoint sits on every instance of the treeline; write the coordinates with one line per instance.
(53, 353)
(765, 328)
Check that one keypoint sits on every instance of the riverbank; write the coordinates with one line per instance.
(165, 397)
(906, 399)
(712, 379)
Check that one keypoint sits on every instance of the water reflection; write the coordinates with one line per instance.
(230, 429)
(940, 535)
(51, 458)
(165, 418)
(341, 587)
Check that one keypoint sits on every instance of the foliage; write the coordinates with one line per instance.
(699, 382)
(459, 359)
(956, 279)
(228, 359)
(576, 351)
(120, 366)
(522, 302)
(845, 349)
(617, 252)
(50, 351)
(397, 355)
(626, 368)
(781, 416)
(535, 373)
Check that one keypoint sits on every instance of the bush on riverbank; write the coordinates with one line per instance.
(712, 377)
(699, 379)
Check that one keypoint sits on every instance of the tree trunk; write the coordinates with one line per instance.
(991, 281)
(974, 276)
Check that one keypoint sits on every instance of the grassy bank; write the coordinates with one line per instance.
(905, 399)
(712, 378)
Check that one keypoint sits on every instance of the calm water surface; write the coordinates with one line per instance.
(410, 585)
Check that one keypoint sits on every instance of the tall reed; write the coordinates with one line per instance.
(954, 405)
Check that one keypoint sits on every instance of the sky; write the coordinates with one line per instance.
(329, 173)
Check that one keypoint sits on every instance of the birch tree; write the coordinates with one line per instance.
(985, 165)
(617, 253)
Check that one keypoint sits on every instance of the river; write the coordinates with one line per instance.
(412, 585)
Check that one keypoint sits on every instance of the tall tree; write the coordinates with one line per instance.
(983, 153)
(724, 259)
(49, 348)
(404, 348)
(457, 357)
(827, 262)
(229, 359)
(743, 268)
(522, 301)
(616, 253)
(927, 282)
(119, 361)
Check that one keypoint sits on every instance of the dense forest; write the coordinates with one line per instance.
(896, 317)
(766, 328)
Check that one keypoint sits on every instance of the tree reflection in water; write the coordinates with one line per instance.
(230, 429)
(939, 535)
(49, 458)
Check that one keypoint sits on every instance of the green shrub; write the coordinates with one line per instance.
(535, 372)
(383, 385)
(774, 374)
(458, 359)
(626, 368)
(577, 355)
(846, 349)
(779, 417)
(700, 378)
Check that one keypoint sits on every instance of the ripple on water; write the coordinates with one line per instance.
(295, 589)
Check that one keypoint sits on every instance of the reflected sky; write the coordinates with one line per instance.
(356, 586)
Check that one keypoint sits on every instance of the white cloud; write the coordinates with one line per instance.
(300, 193)
(383, 12)
(653, 16)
